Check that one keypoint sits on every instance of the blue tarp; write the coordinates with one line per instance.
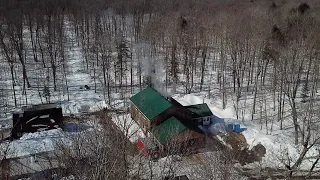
(218, 125)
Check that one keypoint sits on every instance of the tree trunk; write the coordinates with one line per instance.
(24, 71)
(295, 121)
(131, 74)
(13, 85)
(104, 78)
(203, 64)
(33, 44)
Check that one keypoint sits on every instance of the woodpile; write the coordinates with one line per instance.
(236, 141)
(240, 149)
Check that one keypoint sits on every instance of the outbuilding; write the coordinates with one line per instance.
(36, 118)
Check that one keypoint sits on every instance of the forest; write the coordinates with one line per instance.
(260, 57)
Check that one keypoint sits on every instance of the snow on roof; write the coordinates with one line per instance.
(39, 107)
(30, 143)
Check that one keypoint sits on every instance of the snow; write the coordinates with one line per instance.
(81, 101)
(128, 126)
(6, 122)
(41, 135)
(279, 144)
(31, 143)
(217, 128)
(195, 166)
(44, 141)
(31, 119)
(45, 116)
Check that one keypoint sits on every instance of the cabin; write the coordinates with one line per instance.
(36, 118)
(166, 123)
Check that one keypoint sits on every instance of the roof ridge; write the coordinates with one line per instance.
(150, 102)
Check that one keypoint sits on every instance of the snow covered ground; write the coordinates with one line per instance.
(39, 142)
(279, 143)
(128, 126)
(80, 101)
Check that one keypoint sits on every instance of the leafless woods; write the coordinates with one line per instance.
(259, 56)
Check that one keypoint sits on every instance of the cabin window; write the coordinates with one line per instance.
(206, 121)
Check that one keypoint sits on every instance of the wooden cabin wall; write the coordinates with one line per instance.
(187, 135)
(141, 120)
(188, 141)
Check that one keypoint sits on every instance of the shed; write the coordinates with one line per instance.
(201, 113)
(36, 118)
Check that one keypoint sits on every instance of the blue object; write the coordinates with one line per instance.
(243, 129)
(230, 128)
(237, 128)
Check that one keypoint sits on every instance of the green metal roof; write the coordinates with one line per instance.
(199, 110)
(150, 102)
(168, 130)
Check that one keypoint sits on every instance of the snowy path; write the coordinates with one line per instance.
(81, 100)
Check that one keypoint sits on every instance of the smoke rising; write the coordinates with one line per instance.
(153, 68)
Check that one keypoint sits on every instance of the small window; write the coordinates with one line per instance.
(206, 121)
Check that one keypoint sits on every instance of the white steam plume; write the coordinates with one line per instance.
(154, 68)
